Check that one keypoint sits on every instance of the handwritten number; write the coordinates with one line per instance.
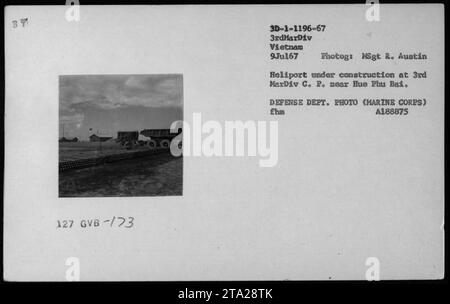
(23, 21)
(130, 222)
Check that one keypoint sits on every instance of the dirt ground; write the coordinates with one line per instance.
(156, 175)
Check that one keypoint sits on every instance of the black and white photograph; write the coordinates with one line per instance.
(115, 135)
(225, 143)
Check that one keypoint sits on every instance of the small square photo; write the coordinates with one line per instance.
(115, 135)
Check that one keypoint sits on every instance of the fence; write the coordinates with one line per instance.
(99, 160)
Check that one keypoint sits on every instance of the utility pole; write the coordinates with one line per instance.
(99, 140)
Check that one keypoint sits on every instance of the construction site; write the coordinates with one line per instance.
(131, 164)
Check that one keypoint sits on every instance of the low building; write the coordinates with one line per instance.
(96, 138)
(63, 139)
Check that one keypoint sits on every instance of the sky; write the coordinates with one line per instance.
(111, 103)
